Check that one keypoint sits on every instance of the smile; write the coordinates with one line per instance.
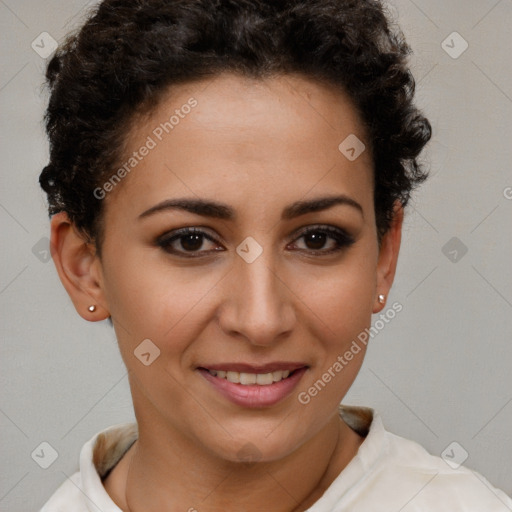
(253, 387)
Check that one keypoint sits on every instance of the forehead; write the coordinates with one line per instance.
(238, 137)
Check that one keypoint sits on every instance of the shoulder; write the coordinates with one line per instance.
(438, 483)
(391, 472)
(97, 457)
(67, 498)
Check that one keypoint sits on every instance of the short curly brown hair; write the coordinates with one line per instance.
(129, 51)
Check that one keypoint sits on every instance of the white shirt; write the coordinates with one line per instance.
(388, 474)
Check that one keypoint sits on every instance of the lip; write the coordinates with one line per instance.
(255, 396)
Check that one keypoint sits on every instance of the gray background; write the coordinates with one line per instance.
(438, 373)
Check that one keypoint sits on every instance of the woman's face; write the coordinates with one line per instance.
(249, 292)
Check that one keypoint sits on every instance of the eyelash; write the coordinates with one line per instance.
(343, 240)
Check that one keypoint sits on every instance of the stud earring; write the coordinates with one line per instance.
(382, 298)
(92, 308)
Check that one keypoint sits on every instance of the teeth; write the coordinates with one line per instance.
(233, 377)
(277, 376)
(264, 379)
(249, 379)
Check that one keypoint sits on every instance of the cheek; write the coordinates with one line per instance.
(150, 298)
(340, 306)
(346, 313)
(343, 296)
(342, 300)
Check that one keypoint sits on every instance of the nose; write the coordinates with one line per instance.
(258, 305)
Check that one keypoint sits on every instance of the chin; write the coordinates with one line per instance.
(266, 444)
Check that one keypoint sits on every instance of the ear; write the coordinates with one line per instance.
(388, 257)
(79, 268)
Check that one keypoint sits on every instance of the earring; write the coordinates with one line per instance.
(92, 308)
(382, 298)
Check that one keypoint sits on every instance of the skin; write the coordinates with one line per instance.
(257, 146)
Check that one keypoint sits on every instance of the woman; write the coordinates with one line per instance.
(227, 182)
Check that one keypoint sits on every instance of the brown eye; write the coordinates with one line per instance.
(315, 239)
(187, 240)
(191, 242)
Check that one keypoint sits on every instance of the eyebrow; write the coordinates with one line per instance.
(222, 211)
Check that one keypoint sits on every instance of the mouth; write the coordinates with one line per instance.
(254, 386)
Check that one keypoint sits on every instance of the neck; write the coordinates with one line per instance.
(181, 477)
